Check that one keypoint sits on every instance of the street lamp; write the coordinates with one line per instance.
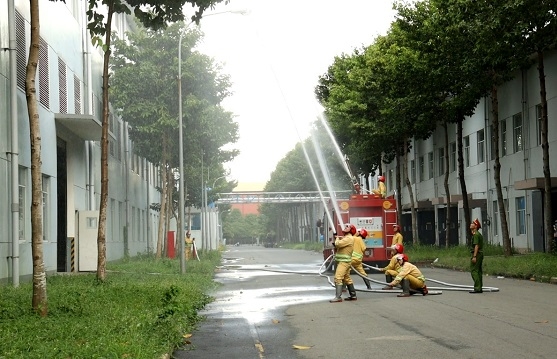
(181, 143)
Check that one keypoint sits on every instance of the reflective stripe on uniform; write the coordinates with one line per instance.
(357, 255)
(343, 257)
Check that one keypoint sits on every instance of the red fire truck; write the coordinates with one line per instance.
(377, 215)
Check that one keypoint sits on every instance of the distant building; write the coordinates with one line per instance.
(246, 188)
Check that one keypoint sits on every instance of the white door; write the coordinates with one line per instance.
(87, 253)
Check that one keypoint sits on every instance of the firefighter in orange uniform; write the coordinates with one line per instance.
(358, 255)
(397, 237)
(343, 256)
(381, 191)
(409, 277)
(392, 269)
(189, 244)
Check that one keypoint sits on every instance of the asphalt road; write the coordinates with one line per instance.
(273, 299)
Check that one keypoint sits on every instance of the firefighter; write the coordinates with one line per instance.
(397, 237)
(189, 244)
(358, 256)
(343, 256)
(392, 269)
(477, 252)
(409, 277)
(381, 191)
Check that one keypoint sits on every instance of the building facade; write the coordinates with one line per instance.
(521, 168)
(69, 93)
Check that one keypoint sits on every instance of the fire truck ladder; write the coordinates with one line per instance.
(389, 213)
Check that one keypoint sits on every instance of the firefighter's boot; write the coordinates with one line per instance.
(352, 292)
(388, 279)
(338, 294)
(368, 283)
(343, 287)
(405, 284)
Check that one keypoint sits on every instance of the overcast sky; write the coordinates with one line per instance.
(275, 54)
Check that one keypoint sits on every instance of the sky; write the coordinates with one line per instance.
(274, 54)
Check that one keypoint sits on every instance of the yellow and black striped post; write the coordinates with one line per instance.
(72, 256)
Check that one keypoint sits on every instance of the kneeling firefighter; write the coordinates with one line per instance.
(392, 269)
(343, 256)
(409, 277)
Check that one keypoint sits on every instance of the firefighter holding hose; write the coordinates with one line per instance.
(381, 191)
(409, 277)
(358, 256)
(343, 256)
(392, 269)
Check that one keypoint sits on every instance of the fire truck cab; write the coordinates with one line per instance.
(377, 215)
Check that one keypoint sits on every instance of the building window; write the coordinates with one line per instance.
(520, 215)
(44, 91)
(77, 95)
(62, 86)
(503, 138)
(413, 171)
(22, 202)
(506, 207)
(441, 166)
(46, 212)
(431, 164)
(517, 132)
(466, 143)
(390, 178)
(21, 49)
(452, 160)
(481, 142)
(421, 168)
(539, 124)
(495, 222)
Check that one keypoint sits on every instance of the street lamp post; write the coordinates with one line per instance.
(181, 159)
(181, 144)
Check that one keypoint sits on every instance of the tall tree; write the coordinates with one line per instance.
(151, 13)
(142, 72)
(40, 301)
(540, 32)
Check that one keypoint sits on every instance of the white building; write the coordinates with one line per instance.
(521, 168)
(69, 93)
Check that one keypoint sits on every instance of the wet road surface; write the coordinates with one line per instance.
(261, 311)
(247, 318)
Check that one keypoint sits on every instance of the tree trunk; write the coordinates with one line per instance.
(497, 173)
(398, 184)
(101, 236)
(40, 302)
(170, 209)
(160, 236)
(447, 188)
(462, 181)
(547, 209)
(415, 238)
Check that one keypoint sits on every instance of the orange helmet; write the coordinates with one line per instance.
(399, 248)
(381, 178)
(363, 232)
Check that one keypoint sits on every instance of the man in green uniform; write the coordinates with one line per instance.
(477, 252)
